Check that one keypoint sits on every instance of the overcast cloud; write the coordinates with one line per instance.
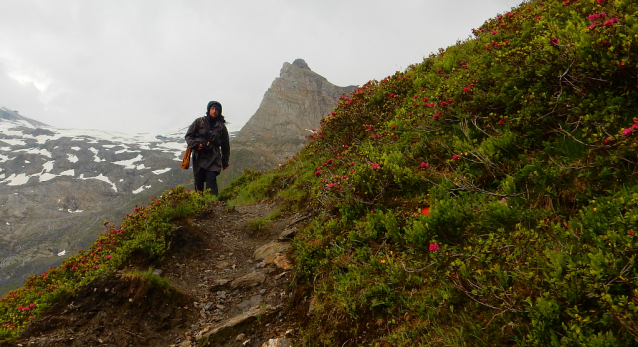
(153, 65)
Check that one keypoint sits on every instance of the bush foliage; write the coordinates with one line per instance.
(485, 196)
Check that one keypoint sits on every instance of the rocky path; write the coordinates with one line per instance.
(233, 289)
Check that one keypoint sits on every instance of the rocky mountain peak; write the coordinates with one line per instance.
(294, 104)
(301, 64)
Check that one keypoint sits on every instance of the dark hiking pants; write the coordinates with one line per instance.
(209, 177)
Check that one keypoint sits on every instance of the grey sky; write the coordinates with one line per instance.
(153, 65)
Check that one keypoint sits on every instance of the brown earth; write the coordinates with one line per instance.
(221, 292)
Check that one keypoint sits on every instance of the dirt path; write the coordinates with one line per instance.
(232, 290)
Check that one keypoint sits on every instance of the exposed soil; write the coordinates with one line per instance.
(210, 300)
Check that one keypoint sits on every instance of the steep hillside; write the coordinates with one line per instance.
(484, 197)
(58, 185)
(293, 105)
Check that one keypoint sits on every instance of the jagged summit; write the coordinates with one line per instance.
(301, 64)
(294, 104)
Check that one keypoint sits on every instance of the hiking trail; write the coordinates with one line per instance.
(232, 288)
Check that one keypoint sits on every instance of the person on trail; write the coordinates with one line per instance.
(208, 139)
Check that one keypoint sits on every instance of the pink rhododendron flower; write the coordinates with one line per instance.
(424, 165)
(434, 247)
(631, 232)
(627, 131)
(610, 22)
(553, 41)
(456, 156)
(108, 257)
(593, 25)
(375, 166)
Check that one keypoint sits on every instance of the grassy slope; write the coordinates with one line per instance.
(145, 232)
(486, 196)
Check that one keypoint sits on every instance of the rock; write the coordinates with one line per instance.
(261, 265)
(250, 280)
(157, 272)
(222, 265)
(280, 342)
(287, 234)
(240, 337)
(252, 302)
(221, 294)
(218, 284)
(313, 303)
(268, 251)
(213, 332)
(282, 262)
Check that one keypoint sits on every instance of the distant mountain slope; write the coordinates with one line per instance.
(293, 105)
(13, 117)
(58, 185)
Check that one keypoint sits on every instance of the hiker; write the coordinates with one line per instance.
(208, 139)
